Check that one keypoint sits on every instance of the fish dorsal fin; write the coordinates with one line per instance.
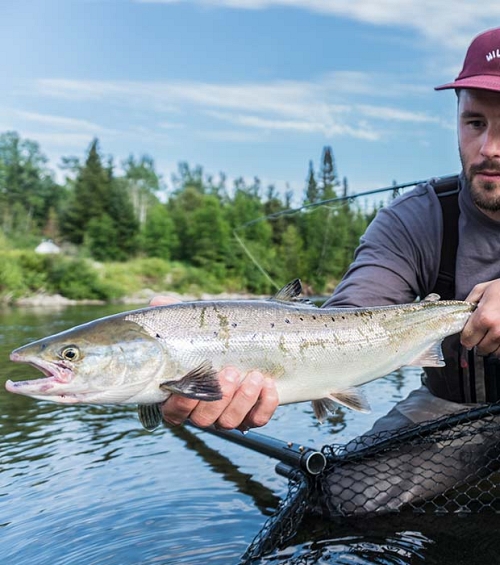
(431, 357)
(352, 398)
(201, 383)
(289, 292)
(432, 297)
(150, 416)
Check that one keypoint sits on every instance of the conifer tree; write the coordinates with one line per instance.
(90, 197)
(100, 212)
(312, 191)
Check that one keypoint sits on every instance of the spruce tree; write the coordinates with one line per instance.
(312, 191)
(90, 197)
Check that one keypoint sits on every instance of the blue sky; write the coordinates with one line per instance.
(250, 87)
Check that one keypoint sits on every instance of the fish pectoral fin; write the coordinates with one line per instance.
(431, 357)
(200, 384)
(150, 416)
(352, 398)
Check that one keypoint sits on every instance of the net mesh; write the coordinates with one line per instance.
(449, 465)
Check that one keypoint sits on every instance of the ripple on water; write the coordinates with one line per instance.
(86, 485)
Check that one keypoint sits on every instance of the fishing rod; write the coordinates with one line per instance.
(395, 188)
(338, 199)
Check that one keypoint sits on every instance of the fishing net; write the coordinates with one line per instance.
(447, 466)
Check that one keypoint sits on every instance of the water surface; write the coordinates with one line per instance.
(87, 485)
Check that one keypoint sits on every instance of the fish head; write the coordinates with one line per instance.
(106, 361)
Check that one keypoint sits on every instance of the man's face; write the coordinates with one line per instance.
(479, 146)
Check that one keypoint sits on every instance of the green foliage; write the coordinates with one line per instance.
(192, 280)
(205, 237)
(101, 238)
(11, 276)
(158, 237)
(77, 279)
(27, 188)
(100, 212)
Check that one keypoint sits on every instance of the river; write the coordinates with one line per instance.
(87, 485)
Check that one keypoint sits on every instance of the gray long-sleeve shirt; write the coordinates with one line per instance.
(398, 256)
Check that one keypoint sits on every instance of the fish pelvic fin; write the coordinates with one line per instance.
(201, 383)
(150, 416)
(431, 357)
(350, 398)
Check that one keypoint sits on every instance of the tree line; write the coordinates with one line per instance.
(245, 234)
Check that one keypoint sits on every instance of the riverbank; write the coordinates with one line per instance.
(141, 297)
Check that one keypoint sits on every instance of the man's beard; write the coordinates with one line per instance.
(483, 192)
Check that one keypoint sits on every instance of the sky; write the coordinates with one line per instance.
(250, 88)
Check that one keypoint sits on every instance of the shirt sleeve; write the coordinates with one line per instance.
(398, 256)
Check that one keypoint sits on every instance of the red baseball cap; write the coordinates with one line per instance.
(481, 65)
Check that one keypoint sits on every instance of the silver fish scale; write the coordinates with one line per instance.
(311, 352)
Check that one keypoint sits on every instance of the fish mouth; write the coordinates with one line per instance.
(52, 387)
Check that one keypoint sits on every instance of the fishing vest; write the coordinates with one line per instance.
(467, 377)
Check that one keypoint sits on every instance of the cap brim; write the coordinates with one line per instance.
(484, 82)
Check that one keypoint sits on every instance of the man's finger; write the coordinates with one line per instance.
(207, 413)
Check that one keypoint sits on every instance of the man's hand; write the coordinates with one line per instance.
(248, 401)
(482, 330)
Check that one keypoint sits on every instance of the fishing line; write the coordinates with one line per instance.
(310, 208)
(254, 260)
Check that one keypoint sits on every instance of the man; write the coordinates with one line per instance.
(398, 260)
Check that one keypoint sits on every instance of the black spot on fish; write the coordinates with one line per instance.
(234, 324)
(272, 324)
(301, 319)
(158, 336)
(287, 321)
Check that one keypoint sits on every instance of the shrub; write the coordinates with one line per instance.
(78, 280)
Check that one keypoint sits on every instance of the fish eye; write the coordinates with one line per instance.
(70, 353)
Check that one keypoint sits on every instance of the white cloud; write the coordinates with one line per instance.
(327, 106)
(328, 129)
(61, 122)
(394, 114)
(63, 141)
(446, 22)
(449, 23)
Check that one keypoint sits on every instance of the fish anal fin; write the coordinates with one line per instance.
(150, 416)
(200, 384)
(350, 398)
(431, 357)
